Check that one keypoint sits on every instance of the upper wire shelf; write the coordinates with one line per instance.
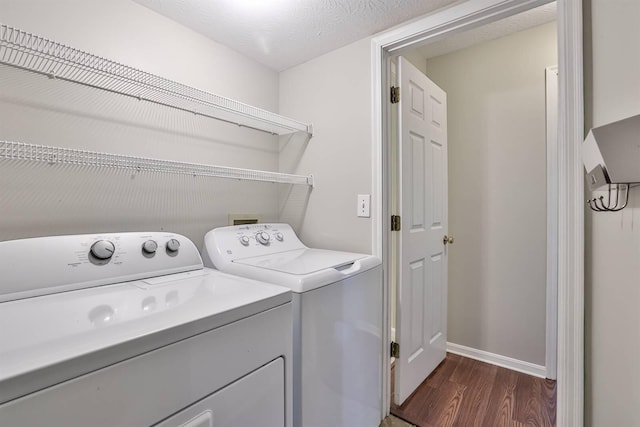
(30, 52)
(10, 150)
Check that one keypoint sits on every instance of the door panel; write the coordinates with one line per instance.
(436, 178)
(417, 99)
(436, 297)
(421, 307)
(418, 182)
(417, 307)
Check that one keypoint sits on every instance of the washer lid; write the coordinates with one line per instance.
(302, 261)
(49, 339)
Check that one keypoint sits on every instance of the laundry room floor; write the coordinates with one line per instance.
(392, 421)
(463, 392)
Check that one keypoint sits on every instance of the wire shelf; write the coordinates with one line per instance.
(19, 151)
(30, 52)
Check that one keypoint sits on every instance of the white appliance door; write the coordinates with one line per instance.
(255, 400)
(421, 322)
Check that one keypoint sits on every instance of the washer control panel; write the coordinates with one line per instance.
(262, 234)
(87, 260)
(243, 241)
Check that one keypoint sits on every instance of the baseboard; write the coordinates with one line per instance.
(498, 360)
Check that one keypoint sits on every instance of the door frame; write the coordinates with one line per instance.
(551, 111)
(570, 259)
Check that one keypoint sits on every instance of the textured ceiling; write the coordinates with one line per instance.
(284, 33)
(529, 19)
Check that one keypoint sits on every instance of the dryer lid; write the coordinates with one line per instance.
(302, 261)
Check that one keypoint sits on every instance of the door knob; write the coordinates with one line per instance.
(447, 239)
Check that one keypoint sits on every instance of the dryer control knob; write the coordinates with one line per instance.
(149, 247)
(244, 240)
(173, 245)
(279, 236)
(263, 237)
(102, 249)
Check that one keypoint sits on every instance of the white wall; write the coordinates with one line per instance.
(334, 93)
(497, 191)
(417, 59)
(612, 276)
(42, 200)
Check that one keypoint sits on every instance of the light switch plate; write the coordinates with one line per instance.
(364, 205)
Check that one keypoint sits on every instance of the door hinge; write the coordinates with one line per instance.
(395, 349)
(395, 222)
(395, 94)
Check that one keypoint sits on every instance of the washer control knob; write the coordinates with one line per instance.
(173, 245)
(263, 237)
(279, 236)
(103, 249)
(244, 240)
(149, 247)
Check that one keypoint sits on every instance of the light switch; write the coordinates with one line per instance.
(364, 205)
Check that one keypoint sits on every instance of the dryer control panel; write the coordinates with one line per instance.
(46, 265)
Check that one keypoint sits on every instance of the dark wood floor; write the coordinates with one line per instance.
(464, 392)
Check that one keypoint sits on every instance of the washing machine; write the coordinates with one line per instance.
(130, 329)
(337, 318)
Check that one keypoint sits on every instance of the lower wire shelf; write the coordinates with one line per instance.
(10, 150)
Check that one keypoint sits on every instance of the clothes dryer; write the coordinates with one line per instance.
(130, 329)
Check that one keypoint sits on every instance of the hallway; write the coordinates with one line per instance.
(465, 392)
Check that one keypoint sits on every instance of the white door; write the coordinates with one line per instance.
(421, 307)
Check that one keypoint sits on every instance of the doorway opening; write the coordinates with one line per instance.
(469, 15)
